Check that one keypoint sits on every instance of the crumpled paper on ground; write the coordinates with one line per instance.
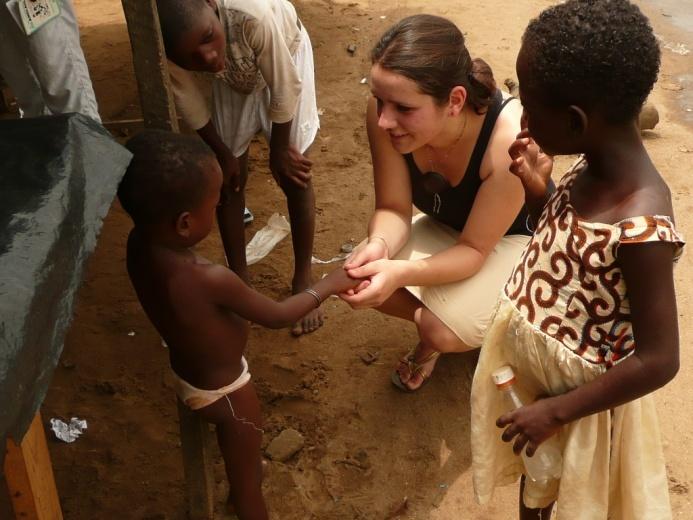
(269, 236)
(68, 432)
(264, 240)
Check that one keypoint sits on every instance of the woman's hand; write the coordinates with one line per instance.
(375, 249)
(530, 425)
(384, 275)
(530, 164)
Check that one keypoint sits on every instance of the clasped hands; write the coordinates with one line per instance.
(381, 275)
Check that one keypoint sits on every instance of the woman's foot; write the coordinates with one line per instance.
(415, 368)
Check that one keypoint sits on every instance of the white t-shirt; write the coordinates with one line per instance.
(261, 38)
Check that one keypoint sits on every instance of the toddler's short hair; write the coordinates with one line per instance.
(598, 53)
(166, 176)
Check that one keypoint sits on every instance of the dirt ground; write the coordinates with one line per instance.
(371, 452)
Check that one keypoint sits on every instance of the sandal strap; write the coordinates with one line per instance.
(417, 367)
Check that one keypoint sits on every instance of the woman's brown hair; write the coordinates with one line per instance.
(430, 51)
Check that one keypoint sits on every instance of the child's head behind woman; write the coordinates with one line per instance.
(584, 65)
(171, 187)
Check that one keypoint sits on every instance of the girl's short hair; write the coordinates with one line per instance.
(595, 53)
(430, 51)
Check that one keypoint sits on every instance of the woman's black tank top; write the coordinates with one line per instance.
(453, 205)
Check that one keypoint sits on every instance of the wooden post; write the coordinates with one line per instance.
(149, 58)
(29, 476)
(199, 481)
(158, 111)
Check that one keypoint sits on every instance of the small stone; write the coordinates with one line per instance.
(368, 357)
(685, 149)
(351, 48)
(285, 445)
(347, 247)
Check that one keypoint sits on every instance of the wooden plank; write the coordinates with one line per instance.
(29, 476)
(199, 481)
(158, 111)
(156, 99)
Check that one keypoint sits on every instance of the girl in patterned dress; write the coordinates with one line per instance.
(588, 318)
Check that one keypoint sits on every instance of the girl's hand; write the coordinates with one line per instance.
(530, 164)
(384, 278)
(530, 425)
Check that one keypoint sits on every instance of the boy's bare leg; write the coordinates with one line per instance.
(301, 204)
(238, 424)
(231, 226)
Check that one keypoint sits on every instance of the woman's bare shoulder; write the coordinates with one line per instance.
(504, 134)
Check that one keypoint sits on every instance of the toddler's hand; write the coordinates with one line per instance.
(530, 164)
(340, 281)
(530, 425)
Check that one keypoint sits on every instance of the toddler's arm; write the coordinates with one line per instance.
(226, 289)
(654, 362)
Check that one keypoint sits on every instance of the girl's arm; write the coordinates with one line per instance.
(653, 364)
(228, 291)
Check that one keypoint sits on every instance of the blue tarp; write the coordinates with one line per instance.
(58, 177)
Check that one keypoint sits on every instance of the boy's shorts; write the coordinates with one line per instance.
(238, 117)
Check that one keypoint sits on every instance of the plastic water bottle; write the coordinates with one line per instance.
(547, 461)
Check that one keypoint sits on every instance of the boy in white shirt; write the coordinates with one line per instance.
(264, 80)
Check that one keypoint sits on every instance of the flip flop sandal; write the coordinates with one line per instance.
(414, 369)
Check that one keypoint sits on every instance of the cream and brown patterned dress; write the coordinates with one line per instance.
(563, 320)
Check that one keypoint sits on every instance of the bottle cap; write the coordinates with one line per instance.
(503, 375)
